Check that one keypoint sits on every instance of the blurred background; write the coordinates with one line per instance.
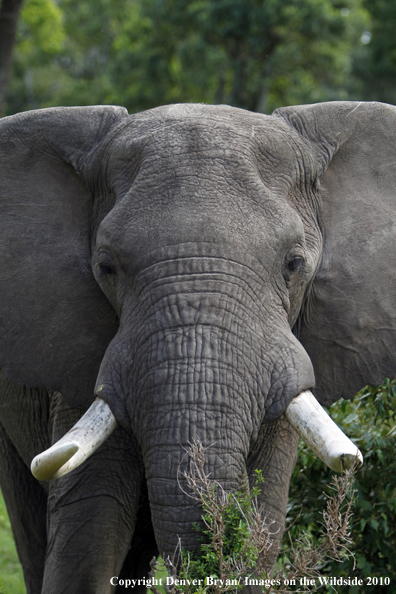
(255, 54)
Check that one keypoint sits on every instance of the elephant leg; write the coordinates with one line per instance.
(24, 433)
(92, 513)
(26, 503)
(143, 548)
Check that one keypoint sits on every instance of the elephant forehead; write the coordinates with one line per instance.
(207, 142)
(202, 174)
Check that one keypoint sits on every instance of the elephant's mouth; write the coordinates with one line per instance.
(304, 413)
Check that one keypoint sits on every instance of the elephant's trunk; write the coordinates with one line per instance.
(174, 506)
(184, 400)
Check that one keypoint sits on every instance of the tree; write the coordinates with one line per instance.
(256, 55)
(248, 53)
(375, 62)
(41, 36)
(9, 12)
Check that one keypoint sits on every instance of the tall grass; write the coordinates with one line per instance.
(11, 577)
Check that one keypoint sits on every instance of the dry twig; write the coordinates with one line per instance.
(306, 558)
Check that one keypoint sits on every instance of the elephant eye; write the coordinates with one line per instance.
(293, 265)
(106, 264)
(106, 269)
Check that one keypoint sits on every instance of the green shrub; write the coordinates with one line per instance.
(369, 420)
(236, 539)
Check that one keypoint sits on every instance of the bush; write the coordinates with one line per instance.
(369, 420)
(236, 539)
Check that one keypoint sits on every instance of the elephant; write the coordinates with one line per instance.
(184, 273)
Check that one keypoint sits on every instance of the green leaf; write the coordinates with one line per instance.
(351, 417)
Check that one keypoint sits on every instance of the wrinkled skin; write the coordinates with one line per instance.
(197, 267)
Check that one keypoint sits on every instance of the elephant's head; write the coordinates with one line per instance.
(197, 268)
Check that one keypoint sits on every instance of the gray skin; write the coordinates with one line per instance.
(198, 266)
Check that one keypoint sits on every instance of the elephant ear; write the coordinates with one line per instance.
(55, 323)
(349, 326)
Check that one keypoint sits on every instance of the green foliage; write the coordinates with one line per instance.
(142, 53)
(236, 540)
(369, 420)
(375, 61)
(234, 549)
(41, 28)
(11, 577)
(248, 53)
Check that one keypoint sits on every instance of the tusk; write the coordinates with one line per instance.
(77, 445)
(321, 434)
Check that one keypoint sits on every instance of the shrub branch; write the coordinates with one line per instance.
(237, 540)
